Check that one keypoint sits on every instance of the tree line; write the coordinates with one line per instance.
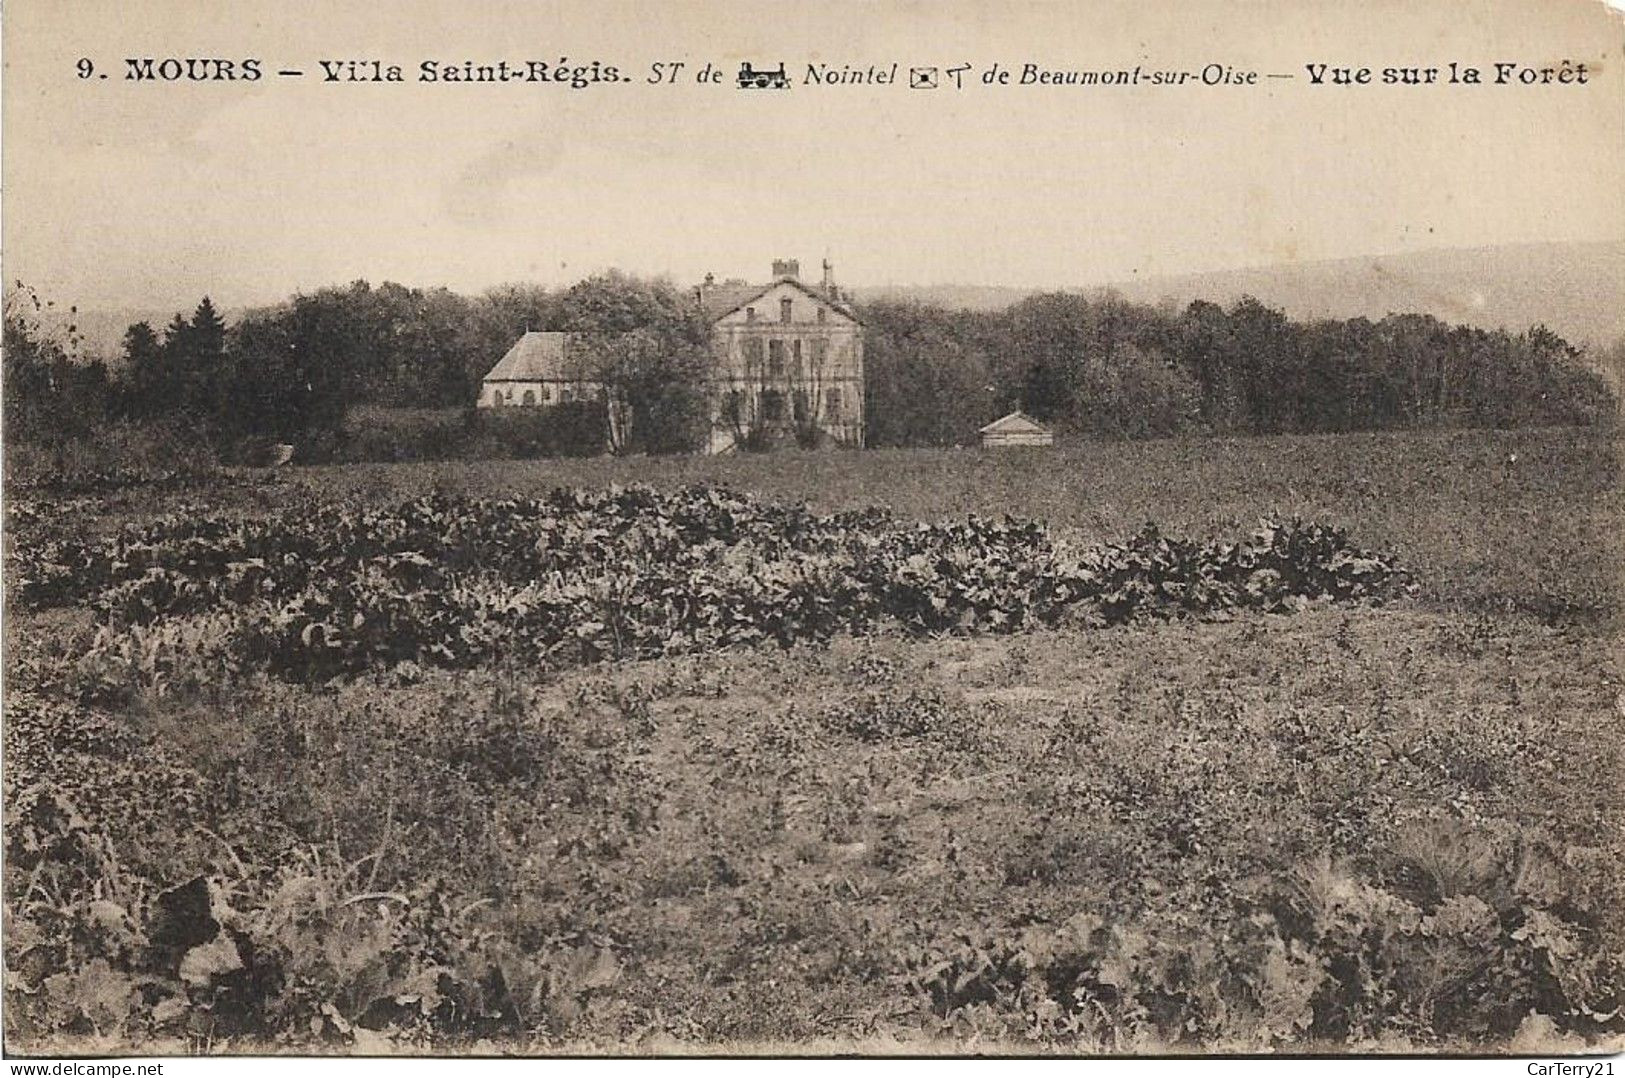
(1093, 365)
(295, 371)
(1102, 366)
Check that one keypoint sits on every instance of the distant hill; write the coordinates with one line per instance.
(955, 297)
(1576, 289)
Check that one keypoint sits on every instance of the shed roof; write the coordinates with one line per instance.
(535, 357)
(1015, 423)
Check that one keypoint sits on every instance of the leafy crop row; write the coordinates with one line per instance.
(630, 573)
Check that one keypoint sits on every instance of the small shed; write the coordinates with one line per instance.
(1017, 428)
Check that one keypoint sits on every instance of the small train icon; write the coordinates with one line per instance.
(752, 79)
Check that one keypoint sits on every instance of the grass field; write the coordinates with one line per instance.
(1350, 828)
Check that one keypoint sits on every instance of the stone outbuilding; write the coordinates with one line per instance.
(536, 372)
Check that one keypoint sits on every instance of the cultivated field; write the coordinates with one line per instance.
(1071, 791)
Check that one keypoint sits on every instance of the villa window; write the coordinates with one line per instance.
(786, 309)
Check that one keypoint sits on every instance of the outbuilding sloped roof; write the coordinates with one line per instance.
(535, 357)
(1015, 423)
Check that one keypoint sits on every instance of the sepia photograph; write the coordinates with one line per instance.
(1062, 528)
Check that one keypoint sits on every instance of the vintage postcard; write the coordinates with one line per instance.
(1016, 529)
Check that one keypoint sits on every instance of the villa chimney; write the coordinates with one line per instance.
(786, 267)
(829, 279)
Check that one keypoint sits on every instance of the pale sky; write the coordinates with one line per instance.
(129, 194)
